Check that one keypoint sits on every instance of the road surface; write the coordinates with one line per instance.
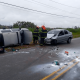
(37, 63)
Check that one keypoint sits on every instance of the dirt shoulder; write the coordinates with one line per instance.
(14, 48)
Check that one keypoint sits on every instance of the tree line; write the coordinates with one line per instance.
(20, 24)
(23, 24)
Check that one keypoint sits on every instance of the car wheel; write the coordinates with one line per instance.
(54, 42)
(69, 40)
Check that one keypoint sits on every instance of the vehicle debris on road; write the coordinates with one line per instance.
(56, 62)
(13, 49)
(2, 49)
(17, 50)
(66, 52)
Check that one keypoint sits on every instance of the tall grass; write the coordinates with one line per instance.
(75, 32)
(32, 29)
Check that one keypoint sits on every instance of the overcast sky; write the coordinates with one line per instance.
(10, 14)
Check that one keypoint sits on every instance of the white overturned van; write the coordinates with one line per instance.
(26, 35)
(9, 37)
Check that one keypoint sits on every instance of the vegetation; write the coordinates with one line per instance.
(32, 29)
(75, 32)
(32, 26)
(29, 25)
(23, 24)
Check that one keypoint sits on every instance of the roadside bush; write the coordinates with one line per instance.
(75, 32)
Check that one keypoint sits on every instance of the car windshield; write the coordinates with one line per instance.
(53, 32)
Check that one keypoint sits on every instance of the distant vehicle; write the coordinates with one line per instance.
(58, 35)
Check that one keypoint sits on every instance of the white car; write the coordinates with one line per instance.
(58, 35)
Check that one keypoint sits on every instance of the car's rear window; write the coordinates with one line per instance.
(53, 32)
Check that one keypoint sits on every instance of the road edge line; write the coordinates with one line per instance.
(56, 71)
(65, 71)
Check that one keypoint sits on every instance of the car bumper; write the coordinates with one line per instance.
(48, 41)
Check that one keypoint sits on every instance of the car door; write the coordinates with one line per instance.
(60, 37)
(66, 35)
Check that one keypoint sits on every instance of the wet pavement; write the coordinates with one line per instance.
(37, 62)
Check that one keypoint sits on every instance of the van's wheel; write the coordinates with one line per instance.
(69, 40)
(54, 42)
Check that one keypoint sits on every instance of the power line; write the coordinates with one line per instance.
(54, 7)
(36, 10)
(63, 4)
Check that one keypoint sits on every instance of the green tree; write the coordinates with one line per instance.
(24, 24)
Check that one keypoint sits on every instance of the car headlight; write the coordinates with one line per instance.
(54, 35)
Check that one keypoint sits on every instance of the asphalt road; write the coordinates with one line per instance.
(37, 63)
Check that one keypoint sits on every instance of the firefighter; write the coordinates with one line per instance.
(35, 35)
(43, 35)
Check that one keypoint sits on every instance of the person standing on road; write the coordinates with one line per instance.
(35, 35)
(43, 35)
